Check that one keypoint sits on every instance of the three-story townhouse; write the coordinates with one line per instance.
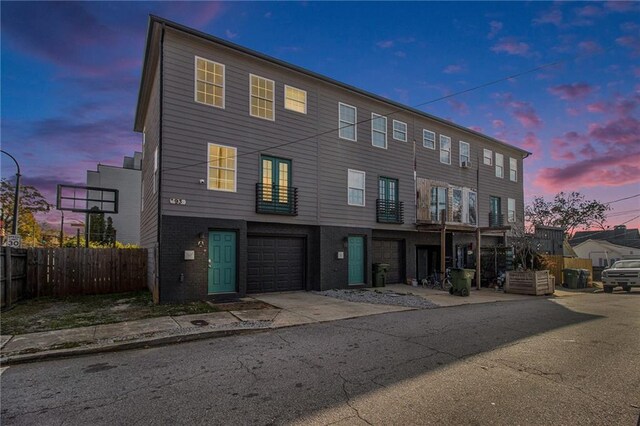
(262, 176)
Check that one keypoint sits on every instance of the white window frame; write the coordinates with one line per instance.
(513, 169)
(446, 139)
(468, 156)
(402, 123)
(511, 210)
(235, 175)
(295, 100)
(375, 117)
(363, 189)
(487, 157)
(499, 165)
(155, 170)
(251, 96)
(195, 82)
(345, 124)
(426, 132)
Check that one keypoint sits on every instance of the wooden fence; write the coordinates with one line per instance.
(556, 264)
(71, 271)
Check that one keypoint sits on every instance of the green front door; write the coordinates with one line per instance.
(222, 262)
(276, 183)
(356, 260)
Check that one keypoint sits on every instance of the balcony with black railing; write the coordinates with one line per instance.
(496, 220)
(389, 211)
(276, 199)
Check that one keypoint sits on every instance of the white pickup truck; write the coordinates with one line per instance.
(624, 273)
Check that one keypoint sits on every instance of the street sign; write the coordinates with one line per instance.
(14, 241)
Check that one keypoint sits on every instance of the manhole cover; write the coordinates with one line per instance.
(199, 323)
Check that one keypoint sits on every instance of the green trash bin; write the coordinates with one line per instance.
(570, 277)
(380, 274)
(461, 281)
(583, 278)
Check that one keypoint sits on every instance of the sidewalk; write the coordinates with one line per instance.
(290, 309)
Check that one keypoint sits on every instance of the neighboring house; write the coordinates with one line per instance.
(126, 180)
(619, 235)
(604, 253)
(262, 176)
(549, 240)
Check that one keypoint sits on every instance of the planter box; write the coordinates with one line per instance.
(529, 282)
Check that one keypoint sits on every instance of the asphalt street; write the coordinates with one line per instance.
(573, 360)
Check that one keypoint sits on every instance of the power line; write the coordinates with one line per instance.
(622, 199)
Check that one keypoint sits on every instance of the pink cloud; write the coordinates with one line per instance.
(617, 132)
(571, 91)
(477, 129)
(553, 17)
(597, 107)
(453, 69)
(531, 143)
(496, 26)
(497, 124)
(459, 106)
(511, 46)
(630, 42)
(574, 112)
(385, 44)
(590, 47)
(589, 11)
(629, 26)
(525, 114)
(620, 6)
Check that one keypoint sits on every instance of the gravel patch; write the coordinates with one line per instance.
(380, 297)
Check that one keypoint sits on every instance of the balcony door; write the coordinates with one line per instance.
(388, 198)
(276, 182)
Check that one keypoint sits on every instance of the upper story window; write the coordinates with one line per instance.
(356, 189)
(513, 169)
(511, 209)
(222, 168)
(445, 149)
(295, 99)
(488, 157)
(457, 205)
(499, 165)
(209, 83)
(439, 198)
(378, 130)
(261, 97)
(465, 154)
(399, 131)
(428, 139)
(347, 115)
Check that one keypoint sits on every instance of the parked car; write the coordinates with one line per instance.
(624, 273)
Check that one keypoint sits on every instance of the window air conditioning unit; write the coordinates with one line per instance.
(465, 164)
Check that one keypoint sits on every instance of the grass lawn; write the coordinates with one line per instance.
(45, 314)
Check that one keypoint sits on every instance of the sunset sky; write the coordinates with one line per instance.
(70, 76)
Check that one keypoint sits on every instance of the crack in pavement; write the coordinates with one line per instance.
(346, 395)
(243, 365)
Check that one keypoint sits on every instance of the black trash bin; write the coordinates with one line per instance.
(380, 274)
(583, 278)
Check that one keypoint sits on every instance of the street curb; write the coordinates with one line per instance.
(116, 347)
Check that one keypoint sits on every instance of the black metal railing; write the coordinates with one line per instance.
(389, 211)
(276, 199)
(496, 220)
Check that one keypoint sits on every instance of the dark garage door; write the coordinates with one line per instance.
(390, 251)
(275, 264)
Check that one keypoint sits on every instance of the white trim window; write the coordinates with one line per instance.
(445, 149)
(261, 98)
(428, 139)
(439, 203)
(513, 169)
(488, 157)
(465, 153)
(295, 99)
(511, 210)
(499, 165)
(399, 131)
(378, 130)
(356, 187)
(221, 170)
(347, 116)
(209, 82)
(155, 170)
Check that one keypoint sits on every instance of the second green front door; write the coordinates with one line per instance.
(222, 262)
(356, 260)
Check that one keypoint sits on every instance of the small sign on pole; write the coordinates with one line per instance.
(14, 241)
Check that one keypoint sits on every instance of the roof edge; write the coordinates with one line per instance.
(157, 19)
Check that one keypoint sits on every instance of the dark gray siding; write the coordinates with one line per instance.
(149, 213)
(320, 163)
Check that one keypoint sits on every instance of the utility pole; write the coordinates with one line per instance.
(62, 229)
(16, 199)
